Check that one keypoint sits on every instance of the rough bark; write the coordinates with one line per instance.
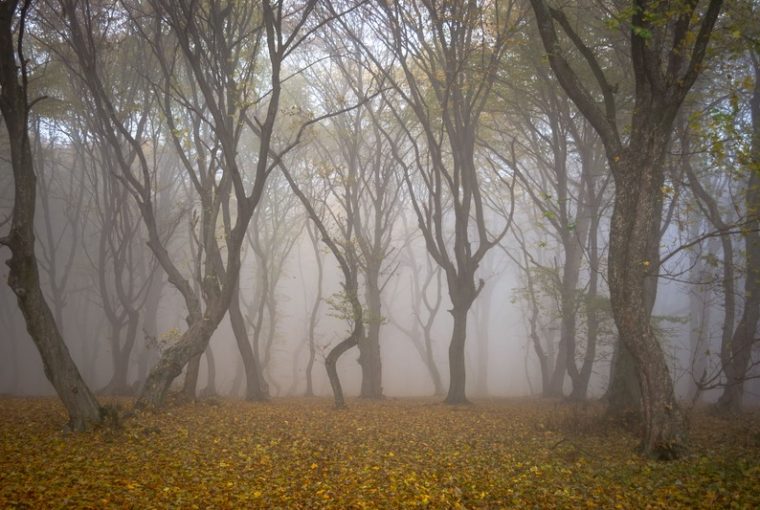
(623, 396)
(23, 278)
(633, 257)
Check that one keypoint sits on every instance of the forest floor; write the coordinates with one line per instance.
(301, 453)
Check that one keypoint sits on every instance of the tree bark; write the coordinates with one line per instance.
(633, 263)
(623, 394)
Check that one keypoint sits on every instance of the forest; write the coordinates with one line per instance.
(378, 254)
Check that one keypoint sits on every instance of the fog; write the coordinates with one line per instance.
(437, 212)
(500, 359)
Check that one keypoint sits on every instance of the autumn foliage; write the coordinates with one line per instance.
(301, 453)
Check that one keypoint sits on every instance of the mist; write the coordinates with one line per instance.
(542, 218)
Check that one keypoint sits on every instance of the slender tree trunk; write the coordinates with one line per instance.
(314, 317)
(331, 362)
(699, 318)
(23, 277)
(581, 382)
(254, 390)
(119, 384)
(369, 346)
(432, 367)
(210, 389)
(569, 304)
(557, 380)
(483, 339)
(150, 329)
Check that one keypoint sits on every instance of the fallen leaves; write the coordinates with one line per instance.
(300, 453)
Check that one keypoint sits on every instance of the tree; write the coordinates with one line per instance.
(447, 55)
(667, 49)
(212, 46)
(341, 245)
(736, 356)
(23, 278)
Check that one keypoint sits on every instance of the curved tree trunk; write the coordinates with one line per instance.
(633, 264)
(23, 277)
(254, 390)
(192, 344)
(331, 362)
(314, 313)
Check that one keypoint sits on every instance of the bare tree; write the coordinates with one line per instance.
(448, 54)
(210, 43)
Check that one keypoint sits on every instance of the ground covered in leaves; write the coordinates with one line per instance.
(301, 453)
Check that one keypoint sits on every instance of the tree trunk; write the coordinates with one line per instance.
(623, 394)
(148, 354)
(483, 339)
(192, 344)
(369, 346)
(331, 362)
(581, 382)
(557, 380)
(633, 265)
(573, 246)
(210, 389)
(435, 375)
(190, 385)
(119, 384)
(23, 276)
(314, 312)
(457, 373)
(254, 390)
(699, 319)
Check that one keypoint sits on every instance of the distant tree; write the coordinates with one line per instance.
(444, 59)
(314, 314)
